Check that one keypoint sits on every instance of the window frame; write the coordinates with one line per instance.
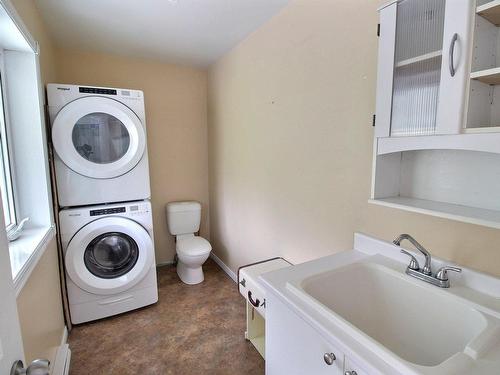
(27, 144)
(6, 153)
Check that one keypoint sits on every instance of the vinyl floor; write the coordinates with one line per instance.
(193, 329)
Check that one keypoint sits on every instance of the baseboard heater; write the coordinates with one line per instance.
(62, 361)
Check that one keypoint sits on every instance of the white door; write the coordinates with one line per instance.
(98, 137)
(11, 345)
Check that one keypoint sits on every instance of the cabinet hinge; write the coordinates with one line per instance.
(378, 29)
(374, 119)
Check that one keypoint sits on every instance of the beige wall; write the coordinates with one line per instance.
(28, 12)
(40, 309)
(39, 303)
(290, 144)
(175, 100)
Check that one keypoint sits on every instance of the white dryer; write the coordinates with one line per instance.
(99, 135)
(109, 258)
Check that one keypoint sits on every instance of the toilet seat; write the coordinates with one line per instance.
(193, 246)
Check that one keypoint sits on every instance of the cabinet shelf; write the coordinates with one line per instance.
(490, 11)
(472, 215)
(488, 76)
(418, 59)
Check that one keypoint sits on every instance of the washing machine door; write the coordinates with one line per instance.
(109, 255)
(98, 137)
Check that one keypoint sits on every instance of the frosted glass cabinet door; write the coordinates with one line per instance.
(422, 70)
(417, 66)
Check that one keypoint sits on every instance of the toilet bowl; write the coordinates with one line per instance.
(183, 220)
(192, 252)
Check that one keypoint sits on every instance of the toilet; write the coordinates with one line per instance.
(183, 220)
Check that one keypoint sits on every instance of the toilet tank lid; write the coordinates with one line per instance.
(183, 206)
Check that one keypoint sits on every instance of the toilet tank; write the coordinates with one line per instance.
(183, 217)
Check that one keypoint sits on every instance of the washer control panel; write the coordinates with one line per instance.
(107, 211)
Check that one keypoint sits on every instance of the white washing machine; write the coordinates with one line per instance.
(109, 258)
(99, 135)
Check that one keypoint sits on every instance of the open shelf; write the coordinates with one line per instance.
(490, 11)
(477, 140)
(418, 59)
(452, 182)
(484, 129)
(488, 76)
(479, 216)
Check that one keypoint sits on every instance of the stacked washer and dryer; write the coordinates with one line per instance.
(102, 177)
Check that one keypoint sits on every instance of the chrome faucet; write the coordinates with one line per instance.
(440, 279)
(427, 267)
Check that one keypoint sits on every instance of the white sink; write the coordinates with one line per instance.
(420, 324)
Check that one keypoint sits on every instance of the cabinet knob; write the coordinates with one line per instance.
(329, 358)
(350, 373)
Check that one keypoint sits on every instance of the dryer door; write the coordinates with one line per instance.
(98, 137)
(109, 255)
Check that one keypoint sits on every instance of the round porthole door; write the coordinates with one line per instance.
(98, 137)
(109, 255)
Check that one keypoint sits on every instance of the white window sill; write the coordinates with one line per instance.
(26, 251)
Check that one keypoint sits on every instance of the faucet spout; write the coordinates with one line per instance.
(427, 267)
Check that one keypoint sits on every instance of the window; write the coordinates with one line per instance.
(24, 170)
(6, 189)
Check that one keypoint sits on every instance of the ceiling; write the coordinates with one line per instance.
(192, 32)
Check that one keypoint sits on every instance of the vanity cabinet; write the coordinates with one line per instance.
(437, 128)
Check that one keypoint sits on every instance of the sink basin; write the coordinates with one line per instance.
(421, 324)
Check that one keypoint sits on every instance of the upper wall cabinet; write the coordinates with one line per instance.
(437, 130)
(423, 70)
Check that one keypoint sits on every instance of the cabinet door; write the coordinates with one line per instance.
(455, 69)
(293, 347)
(350, 366)
(417, 66)
(419, 90)
(385, 70)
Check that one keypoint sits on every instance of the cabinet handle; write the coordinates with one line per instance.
(255, 303)
(350, 373)
(452, 54)
(329, 358)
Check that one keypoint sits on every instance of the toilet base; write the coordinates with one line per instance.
(189, 275)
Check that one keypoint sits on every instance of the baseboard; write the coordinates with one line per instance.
(64, 336)
(169, 263)
(63, 356)
(224, 267)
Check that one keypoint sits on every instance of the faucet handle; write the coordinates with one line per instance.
(413, 261)
(442, 273)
